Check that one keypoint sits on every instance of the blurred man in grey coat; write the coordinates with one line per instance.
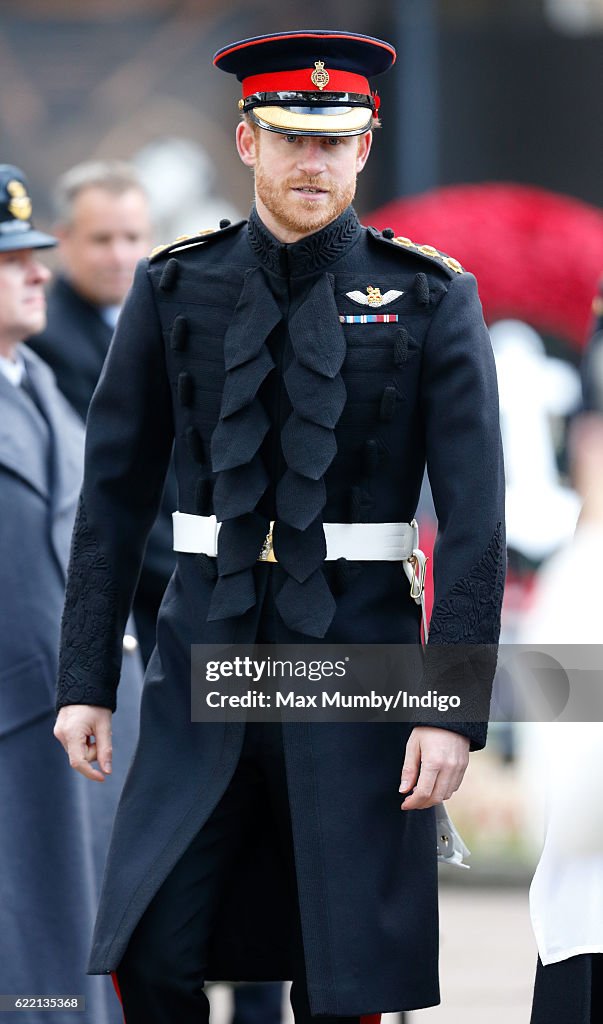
(54, 831)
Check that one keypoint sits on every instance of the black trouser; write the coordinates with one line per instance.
(258, 1003)
(569, 992)
(163, 970)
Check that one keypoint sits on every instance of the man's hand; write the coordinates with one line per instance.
(75, 726)
(438, 759)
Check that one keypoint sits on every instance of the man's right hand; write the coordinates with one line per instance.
(85, 732)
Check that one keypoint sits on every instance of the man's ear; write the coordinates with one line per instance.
(364, 147)
(247, 143)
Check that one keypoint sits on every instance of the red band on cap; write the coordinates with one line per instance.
(301, 81)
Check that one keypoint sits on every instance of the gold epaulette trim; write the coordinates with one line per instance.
(180, 240)
(430, 250)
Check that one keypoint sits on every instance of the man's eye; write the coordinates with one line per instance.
(334, 141)
(291, 138)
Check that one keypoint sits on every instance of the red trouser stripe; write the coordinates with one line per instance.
(116, 987)
(373, 1018)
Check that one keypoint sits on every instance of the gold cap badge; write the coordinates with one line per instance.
(320, 77)
(20, 203)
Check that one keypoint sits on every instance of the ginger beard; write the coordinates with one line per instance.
(293, 211)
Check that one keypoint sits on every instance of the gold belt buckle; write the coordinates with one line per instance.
(267, 551)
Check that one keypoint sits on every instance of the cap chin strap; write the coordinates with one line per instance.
(312, 100)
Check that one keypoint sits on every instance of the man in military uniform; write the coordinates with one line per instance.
(307, 369)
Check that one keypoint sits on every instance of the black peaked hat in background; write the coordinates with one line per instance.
(16, 228)
(308, 82)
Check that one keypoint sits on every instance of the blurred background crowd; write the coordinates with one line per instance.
(491, 151)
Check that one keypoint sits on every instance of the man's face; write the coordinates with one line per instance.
(302, 183)
(22, 300)
(100, 246)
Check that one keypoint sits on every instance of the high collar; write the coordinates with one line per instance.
(308, 255)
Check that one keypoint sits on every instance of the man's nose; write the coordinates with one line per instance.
(37, 272)
(311, 158)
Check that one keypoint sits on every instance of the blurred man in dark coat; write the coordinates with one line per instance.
(54, 834)
(307, 368)
(103, 225)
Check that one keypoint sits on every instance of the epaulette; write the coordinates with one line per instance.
(429, 252)
(188, 241)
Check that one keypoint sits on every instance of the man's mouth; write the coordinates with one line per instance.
(309, 190)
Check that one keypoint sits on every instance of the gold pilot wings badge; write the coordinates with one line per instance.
(374, 297)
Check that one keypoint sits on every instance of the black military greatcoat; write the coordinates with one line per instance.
(232, 345)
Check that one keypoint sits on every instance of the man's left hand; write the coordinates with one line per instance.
(435, 763)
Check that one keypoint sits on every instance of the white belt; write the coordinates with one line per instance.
(357, 542)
